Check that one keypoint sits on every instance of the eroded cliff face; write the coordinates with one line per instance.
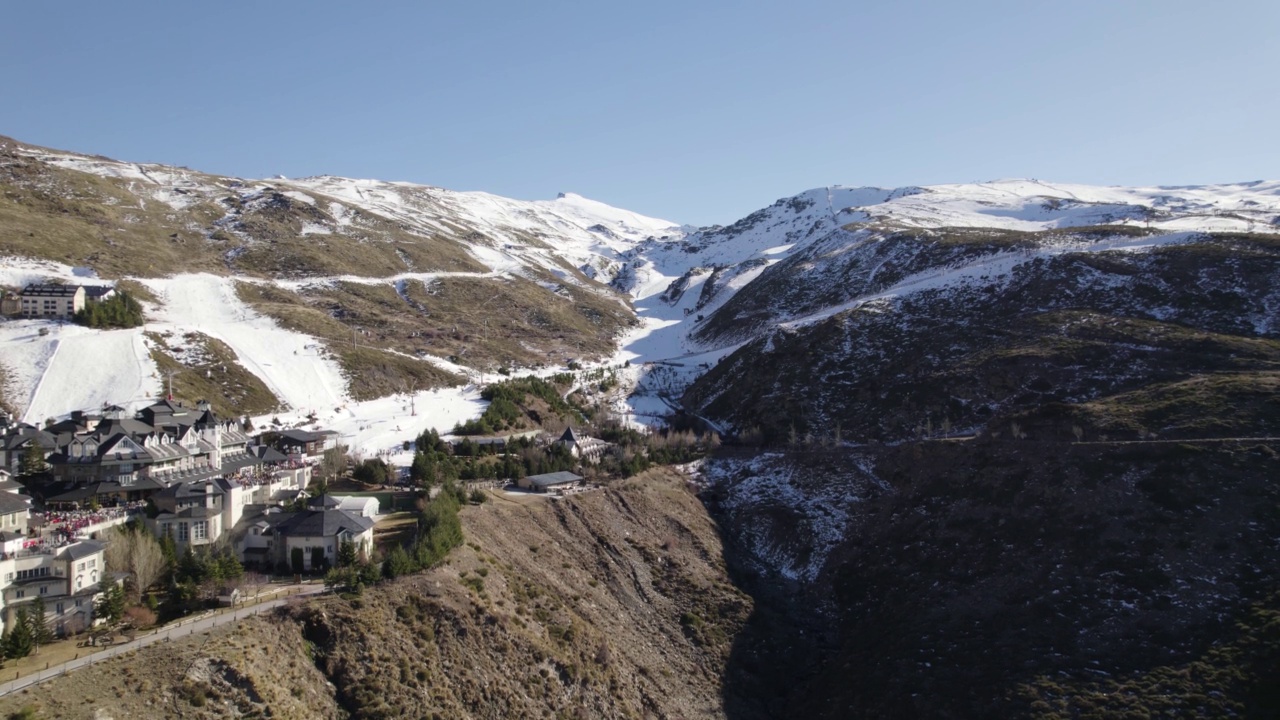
(611, 604)
(1014, 578)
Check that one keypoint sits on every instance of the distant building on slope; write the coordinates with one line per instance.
(98, 293)
(587, 449)
(58, 301)
(556, 482)
(11, 304)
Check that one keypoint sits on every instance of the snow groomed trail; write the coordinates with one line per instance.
(88, 369)
(290, 363)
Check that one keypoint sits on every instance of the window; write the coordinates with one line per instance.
(59, 608)
(79, 601)
(199, 530)
(79, 567)
(183, 533)
(33, 573)
(93, 563)
(21, 594)
(44, 589)
(8, 577)
(166, 530)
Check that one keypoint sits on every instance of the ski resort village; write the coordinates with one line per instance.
(97, 501)
(210, 490)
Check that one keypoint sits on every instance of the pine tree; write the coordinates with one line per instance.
(422, 471)
(18, 642)
(398, 563)
(110, 606)
(41, 634)
(347, 555)
(33, 460)
(319, 563)
(228, 566)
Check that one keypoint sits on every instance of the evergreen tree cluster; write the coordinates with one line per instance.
(118, 311)
(436, 463)
(199, 574)
(111, 605)
(373, 471)
(439, 531)
(507, 397)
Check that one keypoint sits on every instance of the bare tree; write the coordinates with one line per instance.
(136, 553)
(119, 548)
(148, 562)
(252, 582)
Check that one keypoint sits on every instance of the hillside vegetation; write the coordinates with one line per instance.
(1159, 328)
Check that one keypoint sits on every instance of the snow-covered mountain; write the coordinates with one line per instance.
(331, 244)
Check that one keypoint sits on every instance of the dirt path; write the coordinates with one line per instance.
(183, 628)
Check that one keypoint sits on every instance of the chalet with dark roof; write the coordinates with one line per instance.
(587, 449)
(318, 529)
(98, 293)
(299, 443)
(167, 441)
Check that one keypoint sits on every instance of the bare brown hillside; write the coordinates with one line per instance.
(611, 604)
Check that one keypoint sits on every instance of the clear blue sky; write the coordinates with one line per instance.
(699, 112)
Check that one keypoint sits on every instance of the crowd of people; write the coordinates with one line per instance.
(63, 525)
(251, 477)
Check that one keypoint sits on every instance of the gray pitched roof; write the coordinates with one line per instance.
(569, 435)
(299, 435)
(84, 548)
(13, 503)
(20, 435)
(323, 501)
(321, 523)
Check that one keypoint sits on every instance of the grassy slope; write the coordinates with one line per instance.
(82, 219)
(1233, 679)
(988, 575)
(486, 323)
(256, 230)
(370, 368)
(207, 369)
(568, 609)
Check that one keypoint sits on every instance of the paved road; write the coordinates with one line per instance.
(185, 627)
